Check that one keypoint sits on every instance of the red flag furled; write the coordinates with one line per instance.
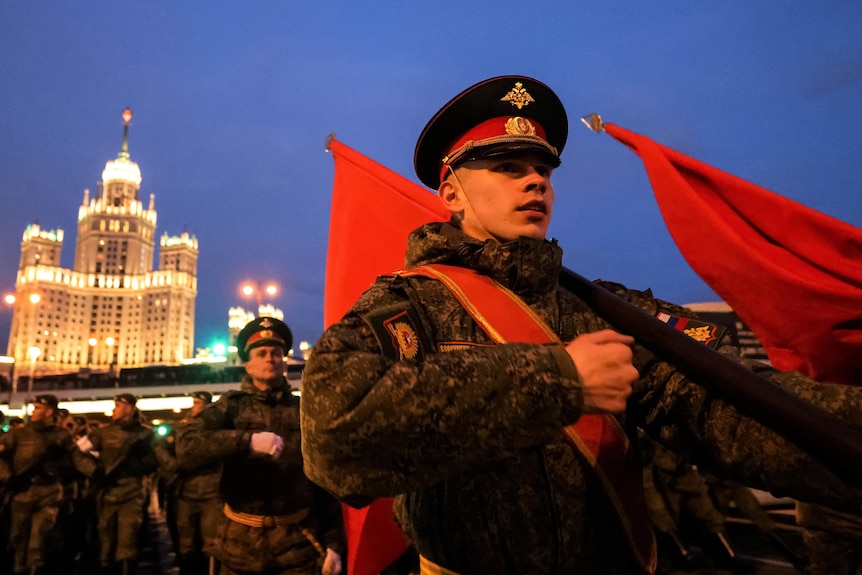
(793, 274)
(373, 211)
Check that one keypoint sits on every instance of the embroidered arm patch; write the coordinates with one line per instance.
(704, 332)
(399, 331)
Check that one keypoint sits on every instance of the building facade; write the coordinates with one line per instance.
(112, 309)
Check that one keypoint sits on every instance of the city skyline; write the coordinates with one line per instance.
(232, 106)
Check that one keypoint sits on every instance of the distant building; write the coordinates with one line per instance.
(112, 310)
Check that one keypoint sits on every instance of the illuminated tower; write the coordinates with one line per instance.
(116, 235)
(112, 310)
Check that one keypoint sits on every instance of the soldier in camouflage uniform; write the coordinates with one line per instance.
(34, 461)
(119, 459)
(198, 504)
(408, 396)
(833, 540)
(275, 521)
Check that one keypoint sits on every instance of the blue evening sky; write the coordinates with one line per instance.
(233, 101)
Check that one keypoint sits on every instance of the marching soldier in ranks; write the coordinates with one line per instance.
(35, 460)
(198, 507)
(276, 521)
(119, 459)
(494, 403)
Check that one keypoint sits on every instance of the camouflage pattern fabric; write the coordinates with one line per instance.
(261, 485)
(121, 478)
(833, 540)
(467, 433)
(34, 462)
(195, 496)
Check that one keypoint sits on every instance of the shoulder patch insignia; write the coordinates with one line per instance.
(704, 332)
(399, 332)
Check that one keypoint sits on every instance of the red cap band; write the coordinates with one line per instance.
(264, 334)
(500, 130)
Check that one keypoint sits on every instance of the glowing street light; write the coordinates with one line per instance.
(257, 289)
(34, 352)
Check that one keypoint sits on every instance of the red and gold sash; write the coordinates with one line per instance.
(599, 439)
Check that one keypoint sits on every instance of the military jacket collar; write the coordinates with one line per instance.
(527, 266)
(271, 395)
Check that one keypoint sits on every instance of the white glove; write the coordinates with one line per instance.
(332, 563)
(84, 444)
(267, 442)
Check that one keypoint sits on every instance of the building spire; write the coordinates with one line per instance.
(127, 117)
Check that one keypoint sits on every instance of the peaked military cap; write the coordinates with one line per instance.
(47, 399)
(263, 331)
(502, 115)
(126, 398)
(205, 395)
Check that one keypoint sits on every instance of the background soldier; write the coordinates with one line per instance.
(34, 461)
(120, 472)
(198, 507)
(276, 520)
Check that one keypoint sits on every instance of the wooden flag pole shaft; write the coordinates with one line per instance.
(833, 441)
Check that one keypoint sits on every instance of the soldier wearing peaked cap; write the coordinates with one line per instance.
(497, 406)
(205, 398)
(269, 503)
(34, 461)
(120, 461)
(126, 399)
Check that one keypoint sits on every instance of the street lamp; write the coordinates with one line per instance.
(9, 299)
(91, 346)
(109, 341)
(257, 289)
(34, 299)
(34, 352)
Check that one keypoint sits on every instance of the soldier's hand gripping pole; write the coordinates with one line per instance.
(828, 438)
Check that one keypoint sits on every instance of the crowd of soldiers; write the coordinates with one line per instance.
(74, 492)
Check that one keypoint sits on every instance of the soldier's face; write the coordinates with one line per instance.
(41, 412)
(122, 411)
(501, 198)
(198, 405)
(265, 365)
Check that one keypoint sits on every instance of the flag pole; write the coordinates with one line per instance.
(818, 432)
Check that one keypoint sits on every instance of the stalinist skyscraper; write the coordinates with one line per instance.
(112, 310)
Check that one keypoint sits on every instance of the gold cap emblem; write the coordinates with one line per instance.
(518, 126)
(518, 96)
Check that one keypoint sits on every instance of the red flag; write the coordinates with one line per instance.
(373, 211)
(793, 274)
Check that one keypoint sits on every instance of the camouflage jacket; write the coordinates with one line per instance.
(251, 483)
(38, 452)
(191, 483)
(125, 459)
(467, 433)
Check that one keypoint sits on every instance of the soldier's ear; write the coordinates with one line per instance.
(451, 195)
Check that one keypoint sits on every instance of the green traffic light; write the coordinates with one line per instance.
(163, 430)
